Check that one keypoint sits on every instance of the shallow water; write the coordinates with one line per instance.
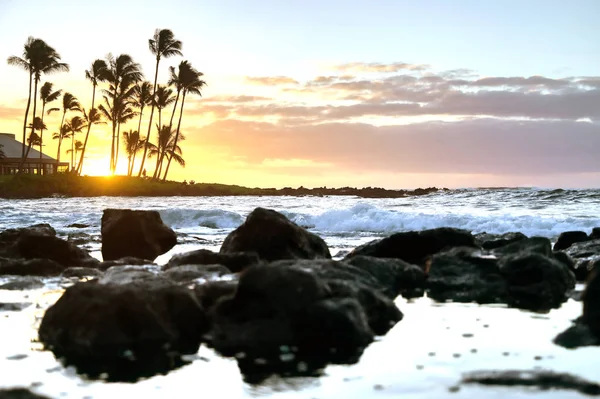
(423, 356)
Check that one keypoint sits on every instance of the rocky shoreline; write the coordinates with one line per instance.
(272, 298)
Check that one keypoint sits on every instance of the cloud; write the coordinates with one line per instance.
(11, 112)
(271, 80)
(482, 146)
(235, 99)
(379, 67)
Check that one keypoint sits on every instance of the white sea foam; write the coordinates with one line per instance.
(210, 218)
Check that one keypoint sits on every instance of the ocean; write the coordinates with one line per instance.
(423, 356)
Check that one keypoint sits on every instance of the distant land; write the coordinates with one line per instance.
(33, 186)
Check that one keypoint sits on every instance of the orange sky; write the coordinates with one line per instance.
(353, 118)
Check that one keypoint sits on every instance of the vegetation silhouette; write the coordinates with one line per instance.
(126, 97)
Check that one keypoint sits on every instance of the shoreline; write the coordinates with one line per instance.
(35, 187)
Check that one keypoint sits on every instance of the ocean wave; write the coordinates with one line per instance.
(210, 218)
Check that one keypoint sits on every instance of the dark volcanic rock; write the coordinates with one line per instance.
(189, 273)
(595, 234)
(465, 275)
(125, 330)
(54, 248)
(14, 306)
(22, 283)
(78, 225)
(586, 329)
(536, 281)
(140, 234)
(20, 393)
(586, 256)
(568, 238)
(415, 247)
(288, 318)
(236, 261)
(273, 236)
(542, 379)
(211, 292)
(30, 267)
(540, 245)
(493, 241)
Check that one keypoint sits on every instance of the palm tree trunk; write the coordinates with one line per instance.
(154, 176)
(41, 137)
(112, 146)
(72, 149)
(32, 122)
(26, 116)
(87, 134)
(117, 145)
(62, 121)
(151, 115)
(170, 127)
(176, 136)
(130, 171)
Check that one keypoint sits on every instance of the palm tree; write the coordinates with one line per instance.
(97, 73)
(62, 134)
(122, 73)
(47, 96)
(164, 97)
(38, 58)
(78, 147)
(93, 118)
(141, 96)
(75, 125)
(166, 144)
(69, 103)
(133, 144)
(162, 44)
(190, 80)
(2, 154)
(34, 138)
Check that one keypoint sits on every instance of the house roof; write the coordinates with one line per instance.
(12, 149)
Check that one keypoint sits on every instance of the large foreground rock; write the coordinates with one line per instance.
(415, 246)
(586, 255)
(127, 328)
(273, 237)
(568, 238)
(526, 279)
(140, 234)
(235, 261)
(493, 241)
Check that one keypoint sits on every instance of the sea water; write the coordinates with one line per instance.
(423, 356)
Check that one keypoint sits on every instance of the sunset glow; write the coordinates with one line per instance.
(289, 102)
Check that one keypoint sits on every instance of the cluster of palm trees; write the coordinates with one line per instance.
(125, 97)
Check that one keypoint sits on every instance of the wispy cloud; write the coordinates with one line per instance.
(379, 67)
(271, 80)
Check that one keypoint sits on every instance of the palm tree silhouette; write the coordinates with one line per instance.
(167, 145)
(38, 58)
(122, 74)
(62, 134)
(97, 73)
(133, 144)
(34, 138)
(93, 118)
(162, 44)
(69, 103)
(74, 126)
(164, 97)
(190, 80)
(46, 96)
(2, 154)
(78, 147)
(141, 96)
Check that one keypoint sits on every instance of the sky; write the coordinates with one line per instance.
(388, 93)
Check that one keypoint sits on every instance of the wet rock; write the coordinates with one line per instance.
(493, 241)
(125, 330)
(595, 234)
(579, 334)
(30, 267)
(30, 246)
(535, 281)
(122, 275)
(591, 302)
(284, 319)
(415, 246)
(20, 393)
(542, 379)
(189, 273)
(126, 261)
(235, 261)
(79, 238)
(568, 238)
(210, 292)
(398, 276)
(140, 234)
(586, 256)
(466, 275)
(10, 236)
(81, 272)
(273, 236)
(22, 283)
(540, 245)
